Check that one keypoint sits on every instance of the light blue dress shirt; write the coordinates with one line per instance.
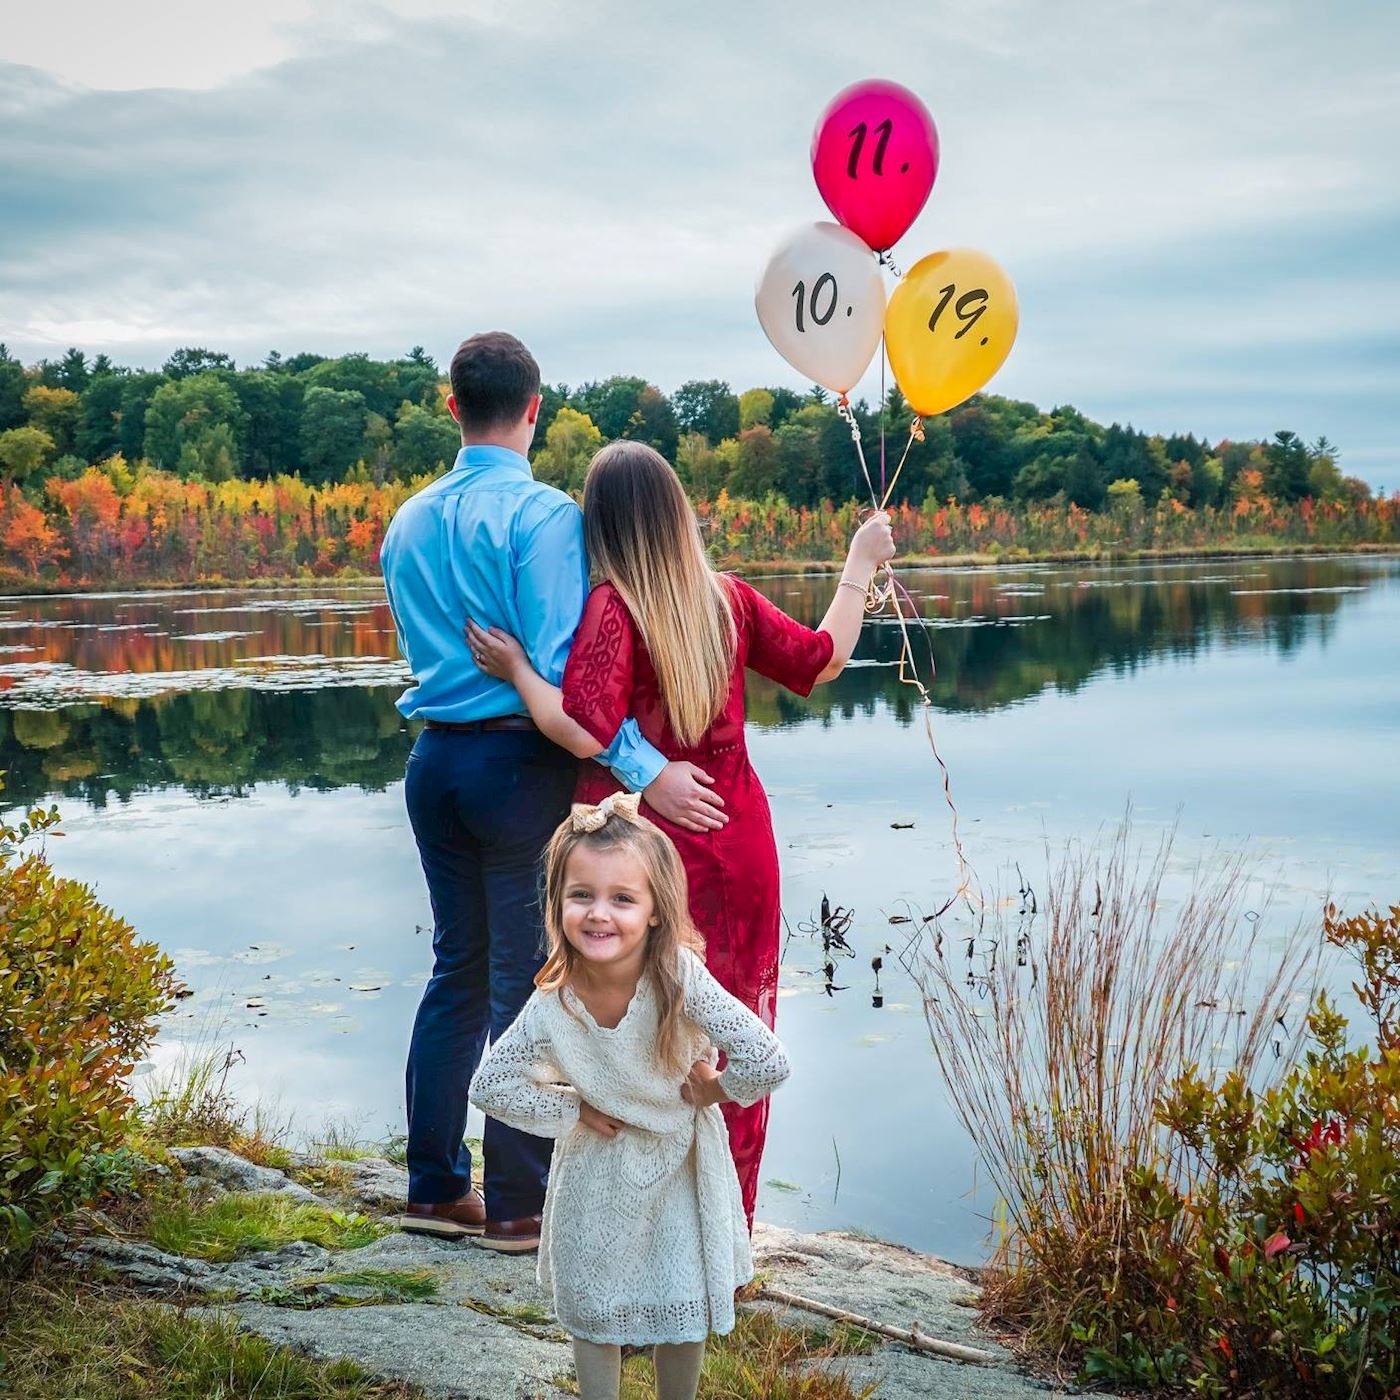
(489, 542)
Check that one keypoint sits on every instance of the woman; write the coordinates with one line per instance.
(666, 640)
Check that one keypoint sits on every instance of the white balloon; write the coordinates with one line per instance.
(821, 301)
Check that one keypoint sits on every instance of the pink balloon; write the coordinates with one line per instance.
(875, 156)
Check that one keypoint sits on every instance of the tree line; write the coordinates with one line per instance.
(353, 418)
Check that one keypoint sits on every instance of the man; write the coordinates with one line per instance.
(484, 788)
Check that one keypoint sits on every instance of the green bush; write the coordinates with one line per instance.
(1278, 1273)
(79, 996)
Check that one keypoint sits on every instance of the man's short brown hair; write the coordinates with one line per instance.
(494, 377)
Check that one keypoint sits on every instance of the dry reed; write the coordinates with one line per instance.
(1062, 1032)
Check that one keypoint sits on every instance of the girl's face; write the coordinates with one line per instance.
(608, 906)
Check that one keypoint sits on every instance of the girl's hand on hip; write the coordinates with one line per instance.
(496, 653)
(600, 1123)
(873, 544)
(702, 1087)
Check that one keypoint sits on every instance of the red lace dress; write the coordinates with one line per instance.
(733, 873)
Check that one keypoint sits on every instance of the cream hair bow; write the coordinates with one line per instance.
(616, 804)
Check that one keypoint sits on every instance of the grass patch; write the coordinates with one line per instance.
(239, 1223)
(330, 1175)
(765, 1359)
(61, 1340)
(525, 1317)
(191, 1105)
(379, 1285)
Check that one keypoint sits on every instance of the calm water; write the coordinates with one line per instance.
(229, 766)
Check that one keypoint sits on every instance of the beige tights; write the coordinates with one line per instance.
(599, 1368)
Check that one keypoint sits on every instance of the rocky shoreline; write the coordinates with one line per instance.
(464, 1323)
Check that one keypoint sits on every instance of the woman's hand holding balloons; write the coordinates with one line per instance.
(871, 545)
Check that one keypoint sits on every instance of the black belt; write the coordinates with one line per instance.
(483, 726)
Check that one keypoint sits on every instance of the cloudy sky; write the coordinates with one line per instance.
(1198, 200)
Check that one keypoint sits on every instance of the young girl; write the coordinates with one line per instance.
(643, 1239)
(664, 639)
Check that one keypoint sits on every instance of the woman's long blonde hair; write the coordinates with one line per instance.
(644, 539)
(673, 930)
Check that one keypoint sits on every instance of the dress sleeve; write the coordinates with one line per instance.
(597, 685)
(757, 1061)
(517, 1081)
(780, 647)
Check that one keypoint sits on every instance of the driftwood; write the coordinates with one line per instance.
(911, 1337)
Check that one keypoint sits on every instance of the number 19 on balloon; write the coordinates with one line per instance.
(937, 362)
(821, 301)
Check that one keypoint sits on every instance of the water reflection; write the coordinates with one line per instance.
(1252, 703)
(105, 696)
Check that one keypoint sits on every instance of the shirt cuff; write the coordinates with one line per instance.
(633, 761)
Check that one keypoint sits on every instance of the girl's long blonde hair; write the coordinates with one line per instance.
(644, 539)
(673, 931)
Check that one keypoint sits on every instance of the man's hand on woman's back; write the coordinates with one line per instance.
(684, 794)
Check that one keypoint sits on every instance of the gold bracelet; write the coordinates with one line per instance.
(850, 583)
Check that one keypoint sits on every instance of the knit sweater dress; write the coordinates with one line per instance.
(644, 1238)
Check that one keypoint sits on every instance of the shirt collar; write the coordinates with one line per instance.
(482, 455)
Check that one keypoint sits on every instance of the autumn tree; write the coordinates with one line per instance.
(55, 411)
(23, 451)
(699, 466)
(757, 470)
(568, 448)
(755, 407)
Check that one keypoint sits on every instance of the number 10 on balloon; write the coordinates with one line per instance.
(818, 316)
(821, 301)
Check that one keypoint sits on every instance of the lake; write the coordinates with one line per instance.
(229, 765)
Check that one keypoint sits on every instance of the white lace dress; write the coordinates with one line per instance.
(644, 1238)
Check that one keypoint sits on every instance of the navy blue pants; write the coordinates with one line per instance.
(482, 808)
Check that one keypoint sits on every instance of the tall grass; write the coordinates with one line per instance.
(190, 1104)
(1059, 1029)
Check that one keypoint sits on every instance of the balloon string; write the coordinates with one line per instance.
(894, 593)
(884, 494)
(916, 434)
(847, 414)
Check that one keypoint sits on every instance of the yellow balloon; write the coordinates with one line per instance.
(949, 326)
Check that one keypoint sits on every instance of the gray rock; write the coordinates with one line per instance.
(142, 1266)
(453, 1353)
(234, 1173)
(152, 1270)
(376, 1184)
(894, 1285)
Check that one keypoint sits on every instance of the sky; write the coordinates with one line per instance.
(1198, 201)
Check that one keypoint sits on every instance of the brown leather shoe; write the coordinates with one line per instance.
(450, 1219)
(511, 1236)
